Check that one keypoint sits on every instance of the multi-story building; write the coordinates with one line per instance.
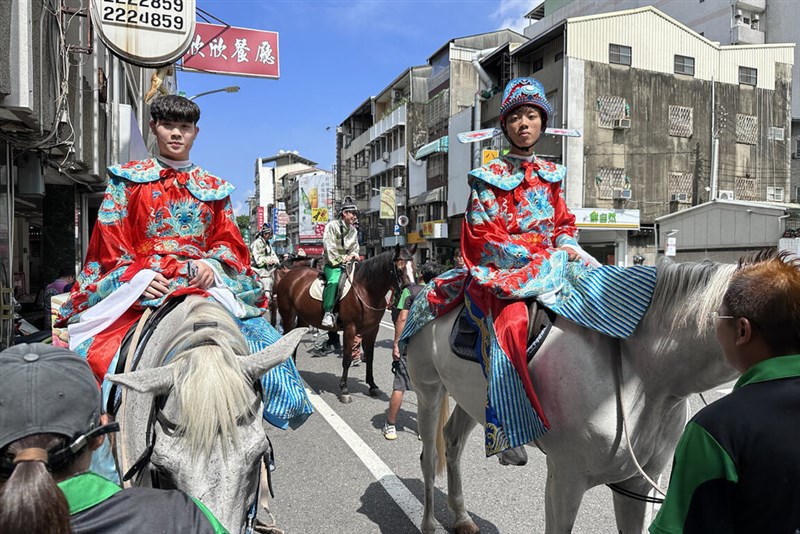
(727, 22)
(68, 109)
(276, 192)
(664, 122)
(372, 155)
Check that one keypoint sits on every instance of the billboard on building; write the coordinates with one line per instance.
(316, 204)
(281, 219)
(231, 50)
(388, 203)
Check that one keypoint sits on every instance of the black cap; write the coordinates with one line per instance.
(46, 389)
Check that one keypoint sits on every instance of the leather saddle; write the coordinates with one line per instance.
(464, 336)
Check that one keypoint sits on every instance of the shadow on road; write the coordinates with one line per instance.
(329, 383)
(392, 520)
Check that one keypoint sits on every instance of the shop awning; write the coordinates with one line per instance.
(440, 145)
(434, 195)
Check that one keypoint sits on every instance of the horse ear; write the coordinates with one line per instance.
(156, 381)
(257, 364)
(396, 249)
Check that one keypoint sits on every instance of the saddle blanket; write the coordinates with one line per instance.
(608, 299)
(318, 286)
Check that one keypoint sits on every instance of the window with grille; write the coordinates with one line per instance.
(438, 108)
(679, 185)
(748, 76)
(553, 121)
(776, 134)
(746, 129)
(538, 64)
(619, 54)
(775, 194)
(684, 65)
(746, 188)
(681, 121)
(609, 109)
(608, 179)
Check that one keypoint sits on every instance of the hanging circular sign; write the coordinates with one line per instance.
(148, 33)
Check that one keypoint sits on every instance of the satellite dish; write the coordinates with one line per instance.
(402, 220)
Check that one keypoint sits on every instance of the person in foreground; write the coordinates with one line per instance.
(50, 422)
(737, 466)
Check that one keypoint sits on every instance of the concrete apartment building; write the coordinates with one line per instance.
(276, 192)
(400, 139)
(728, 22)
(59, 129)
(644, 108)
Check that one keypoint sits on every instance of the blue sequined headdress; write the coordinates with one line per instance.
(525, 91)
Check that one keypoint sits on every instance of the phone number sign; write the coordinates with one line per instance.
(232, 50)
(149, 33)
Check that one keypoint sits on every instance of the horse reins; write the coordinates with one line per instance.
(351, 279)
(624, 413)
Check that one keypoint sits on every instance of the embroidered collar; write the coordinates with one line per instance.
(200, 183)
(507, 172)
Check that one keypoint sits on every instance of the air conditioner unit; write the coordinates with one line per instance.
(386, 156)
(725, 194)
(622, 124)
(679, 197)
(293, 218)
(795, 155)
(622, 193)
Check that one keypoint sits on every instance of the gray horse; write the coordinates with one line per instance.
(201, 410)
(592, 388)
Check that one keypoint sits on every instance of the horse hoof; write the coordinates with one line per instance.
(374, 391)
(468, 527)
(345, 398)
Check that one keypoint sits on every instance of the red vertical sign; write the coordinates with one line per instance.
(260, 217)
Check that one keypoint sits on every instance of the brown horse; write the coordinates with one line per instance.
(360, 311)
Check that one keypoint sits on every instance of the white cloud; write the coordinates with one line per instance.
(240, 208)
(511, 13)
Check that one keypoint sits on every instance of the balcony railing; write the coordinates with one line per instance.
(382, 164)
(394, 119)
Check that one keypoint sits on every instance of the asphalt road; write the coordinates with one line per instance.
(337, 473)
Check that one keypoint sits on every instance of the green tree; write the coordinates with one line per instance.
(243, 221)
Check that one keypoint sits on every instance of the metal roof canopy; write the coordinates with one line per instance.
(727, 224)
(439, 145)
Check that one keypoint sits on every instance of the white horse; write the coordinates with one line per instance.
(576, 374)
(206, 428)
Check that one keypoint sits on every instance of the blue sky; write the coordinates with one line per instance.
(333, 55)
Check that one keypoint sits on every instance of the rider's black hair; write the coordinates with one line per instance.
(174, 108)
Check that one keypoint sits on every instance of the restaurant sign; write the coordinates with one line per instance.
(148, 33)
(231, 50)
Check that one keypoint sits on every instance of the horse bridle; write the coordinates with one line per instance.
(397, 280)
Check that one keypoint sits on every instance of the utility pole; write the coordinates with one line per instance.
(714, 141)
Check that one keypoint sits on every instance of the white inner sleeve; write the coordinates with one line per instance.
(223, 295)
(103, 314)
(585, 256)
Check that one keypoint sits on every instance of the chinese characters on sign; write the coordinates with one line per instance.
(232, 50)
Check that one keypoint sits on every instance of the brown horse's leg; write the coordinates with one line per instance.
(368, 349)
(347, 358)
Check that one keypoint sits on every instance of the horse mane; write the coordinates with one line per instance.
(686, 293)
(375, 268)
(211, 387)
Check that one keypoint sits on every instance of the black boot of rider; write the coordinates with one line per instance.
(514, 456)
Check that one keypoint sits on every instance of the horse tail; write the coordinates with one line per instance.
(444, 413)
(30, 500)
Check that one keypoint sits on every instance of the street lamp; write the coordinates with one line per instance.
(231, 89)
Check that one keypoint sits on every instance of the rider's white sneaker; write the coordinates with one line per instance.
(327, 320)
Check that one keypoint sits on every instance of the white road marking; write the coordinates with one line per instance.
(382, 473)
(387, 324)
